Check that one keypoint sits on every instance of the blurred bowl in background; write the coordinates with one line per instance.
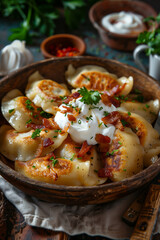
(62, 45)
(125, 42)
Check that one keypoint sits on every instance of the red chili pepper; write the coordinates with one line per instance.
(60, 51)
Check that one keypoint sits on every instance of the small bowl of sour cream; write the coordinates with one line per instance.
(119, 22)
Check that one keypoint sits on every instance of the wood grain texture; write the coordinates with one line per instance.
(148, 214)
(55, 69)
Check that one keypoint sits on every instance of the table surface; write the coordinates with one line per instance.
(12, 224)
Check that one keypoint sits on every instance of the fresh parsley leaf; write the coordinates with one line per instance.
(151, 38)
(89, 97)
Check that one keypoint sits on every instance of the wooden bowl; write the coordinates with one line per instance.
(125, 42)
(63, 40)
(54, 69)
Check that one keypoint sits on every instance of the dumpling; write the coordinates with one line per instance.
(46, 94)
(148, 110)
(18, 110)
(64, 167)
(124, 157)
(86, 165)
(28, 145)
(98, 78)
(148, 136)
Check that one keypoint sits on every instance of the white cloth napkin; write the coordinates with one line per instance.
(103, 220)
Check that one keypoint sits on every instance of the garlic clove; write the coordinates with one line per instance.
(14, 56)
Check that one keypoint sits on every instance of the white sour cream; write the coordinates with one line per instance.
(14, 56)
(123, 23)
(88, 122)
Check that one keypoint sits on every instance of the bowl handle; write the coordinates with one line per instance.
(136, 55)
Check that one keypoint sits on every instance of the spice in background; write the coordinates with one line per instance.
(61, 51)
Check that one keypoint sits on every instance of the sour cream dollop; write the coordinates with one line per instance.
(123, 23)
(88, 121)
(14, 56)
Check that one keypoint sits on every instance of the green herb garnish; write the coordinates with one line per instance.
(11, 111)
(151, 38)
(29, 121)
(124, 123)
(45, 114)
(72, 157)
(106, 113)
(89, 97)
(36, 133)
(54, 161)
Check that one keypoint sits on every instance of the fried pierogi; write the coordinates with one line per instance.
(148, 110)
(124, 157)
(28, 145)
(18, 110)
(46, 94)
(97, 78)
(46, 136)
(88, 163)
(148, 136)
(66, 169)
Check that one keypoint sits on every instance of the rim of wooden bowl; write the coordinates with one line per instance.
(78, 195)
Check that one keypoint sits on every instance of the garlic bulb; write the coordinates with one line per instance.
(14, 56)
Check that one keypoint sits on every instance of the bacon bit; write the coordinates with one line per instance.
(108, 100)
(71, 118)
(105, 99)
(102, 139)
(68, 109)
(115, 90)
(122, 87)
(105, 172)
(112, 118)
(84, 149)
(49, 155)
(74, 95)
(35, 126)
(115, 119)
(47, 142)
(66, 128)
(50, 123)
(115, 102)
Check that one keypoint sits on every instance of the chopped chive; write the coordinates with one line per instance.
(11, 110)
(72, 157)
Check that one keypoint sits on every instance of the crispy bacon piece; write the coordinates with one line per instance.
(115, 90)
(35, 126)
(102, 139)
(50, 123)
(115, 119)
(47, 142)
(49, 155)
(108, 100)
(71, 118)
(74, 95)
(84, 149)
(112, 118)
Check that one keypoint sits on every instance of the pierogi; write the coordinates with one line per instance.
(99, 132)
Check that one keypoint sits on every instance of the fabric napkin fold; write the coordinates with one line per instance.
(103, 220)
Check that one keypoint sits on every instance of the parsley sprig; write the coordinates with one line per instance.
(89, 97)
(151, 38)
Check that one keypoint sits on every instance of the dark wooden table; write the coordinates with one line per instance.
(12, 224)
